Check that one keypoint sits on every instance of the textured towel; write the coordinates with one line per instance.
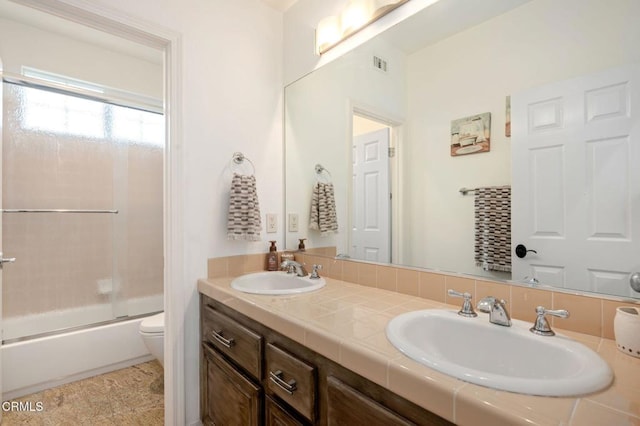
(493, 228)
(243, 220)
(323, 209)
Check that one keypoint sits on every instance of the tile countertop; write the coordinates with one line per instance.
(346, 322)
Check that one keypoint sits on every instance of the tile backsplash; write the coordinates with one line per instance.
(590, 314)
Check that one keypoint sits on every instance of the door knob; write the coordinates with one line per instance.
(634, 281)
(6, 260)
(521, 251)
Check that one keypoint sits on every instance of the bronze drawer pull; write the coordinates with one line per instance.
(277, 379)
(226, 342)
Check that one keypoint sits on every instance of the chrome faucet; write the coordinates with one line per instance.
(314, 273)
(541, 326)
(293, 267)
(467, 308)
(496, 309)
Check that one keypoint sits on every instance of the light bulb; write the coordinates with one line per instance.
(356, 15)
(327, 33)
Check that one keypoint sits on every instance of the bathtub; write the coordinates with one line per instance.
(41, 363)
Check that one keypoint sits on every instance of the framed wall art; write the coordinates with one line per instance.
(507, 125)
(471, 135)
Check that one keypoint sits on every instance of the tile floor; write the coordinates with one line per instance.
(131, 396)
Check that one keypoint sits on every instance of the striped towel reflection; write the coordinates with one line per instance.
(493, 228)
(243, 220)
(323, 216)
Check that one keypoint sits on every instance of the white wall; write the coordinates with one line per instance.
(363, 125)
(232, 101)
(25, 45)
(472, 72)
(318, 129)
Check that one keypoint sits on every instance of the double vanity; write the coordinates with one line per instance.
(283, 353)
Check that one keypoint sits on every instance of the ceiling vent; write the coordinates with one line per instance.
(379, 64)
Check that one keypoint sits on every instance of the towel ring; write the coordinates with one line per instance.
(238, 158)
(465, 191)
(320, 169)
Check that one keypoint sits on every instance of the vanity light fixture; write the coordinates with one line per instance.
(356, 15)
(327, 33)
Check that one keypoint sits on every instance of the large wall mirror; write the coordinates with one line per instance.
(434, 99)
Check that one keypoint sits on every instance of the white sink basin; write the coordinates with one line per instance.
(276, 283)
(506, 358)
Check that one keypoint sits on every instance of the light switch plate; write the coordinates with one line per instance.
(272, 223)
(293, 222)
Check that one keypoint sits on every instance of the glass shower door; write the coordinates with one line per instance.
(74, 177)
(57, 212)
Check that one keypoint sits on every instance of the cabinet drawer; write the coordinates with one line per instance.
(292, 380)
(234, 340)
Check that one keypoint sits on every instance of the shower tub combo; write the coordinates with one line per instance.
(82, 213)
(39, 363)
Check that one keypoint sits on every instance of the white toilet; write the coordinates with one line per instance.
(152, 332)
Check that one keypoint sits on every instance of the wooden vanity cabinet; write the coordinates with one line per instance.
(287, 384)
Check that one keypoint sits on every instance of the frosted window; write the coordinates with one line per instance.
(53, 112)
(137, 126)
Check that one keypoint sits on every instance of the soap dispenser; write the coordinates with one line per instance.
(272, 257)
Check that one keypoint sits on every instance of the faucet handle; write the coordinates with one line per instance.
(467, 307)
(314, 273)
(541, 325)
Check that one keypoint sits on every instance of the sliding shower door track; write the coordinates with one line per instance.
(77, 328)
(57, 211)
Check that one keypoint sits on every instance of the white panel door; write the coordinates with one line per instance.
(576, 181)
(370, 227)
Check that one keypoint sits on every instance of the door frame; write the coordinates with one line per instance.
(1, 249)
(167, 41)
(395, 141)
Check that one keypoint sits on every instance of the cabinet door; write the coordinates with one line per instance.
(230, 398)
(275, 415)
(347, 406)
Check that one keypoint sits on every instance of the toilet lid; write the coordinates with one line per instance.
(153, 324)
